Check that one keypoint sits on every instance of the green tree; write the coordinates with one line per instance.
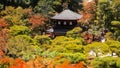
(116, 9)
(66, 45)
(118, 63)
(73, 57)
(44, 7)
(114, 46)
(106, 62)
(15, 16)
(43, 39)
(104, 13)
(75, 5)
(22, 46)
(107, 11)
(63, 40)
(115, 29)
(19, 30)
(49, 7)
(97, 47)
(76, 32)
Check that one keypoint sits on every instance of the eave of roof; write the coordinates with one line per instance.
(67, 15)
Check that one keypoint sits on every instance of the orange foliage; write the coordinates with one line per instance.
(3, 23)
(11, 63)
(30, 64)
(28, 11)
(19, 63)
(80, 65)
(88, 37)
(90, 7)
(87, 17)
(5, 60)
(51, 64)
(89, 13)
(67, 64)
(39, 62)
(4, 35)
(1, 52)
(36, 21)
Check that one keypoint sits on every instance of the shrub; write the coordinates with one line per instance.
(114, 46)
(76, 32)
(118, 63)
(97, 47)
(115, 23)
(19, 30)
(42, 39)
(106, 62)
(73, 57)
(23, 47)
(63, 40)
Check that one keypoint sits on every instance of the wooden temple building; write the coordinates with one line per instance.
(65, 21)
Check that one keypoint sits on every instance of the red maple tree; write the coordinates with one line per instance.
(4, 34)
(36, 21)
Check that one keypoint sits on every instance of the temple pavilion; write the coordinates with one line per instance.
(65, 21)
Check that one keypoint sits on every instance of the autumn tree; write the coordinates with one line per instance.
(18, 63)
(5, 62)
(88, 13)
(37, 23)
(4, 35)
(67, 64)
(15, 16)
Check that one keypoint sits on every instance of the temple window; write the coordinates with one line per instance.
(59, 22)
(71, 23)
(65, 23)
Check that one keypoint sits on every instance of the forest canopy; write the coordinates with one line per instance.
(94, 42)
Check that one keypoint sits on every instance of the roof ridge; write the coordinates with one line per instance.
(67, 14)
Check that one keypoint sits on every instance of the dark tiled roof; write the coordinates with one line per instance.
(67, 15)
